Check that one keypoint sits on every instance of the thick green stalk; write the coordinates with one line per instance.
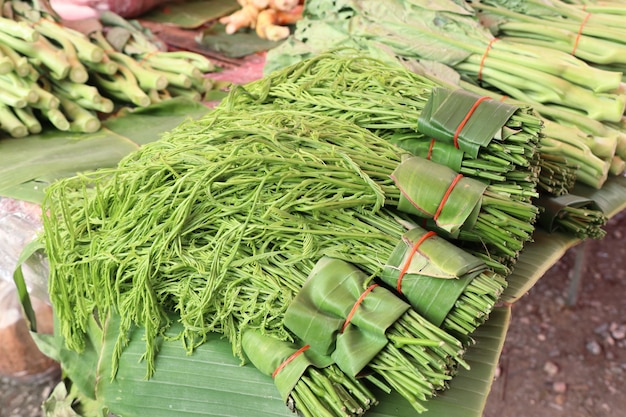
(10, 123)
(46, 100)
(581, 156)
(19, 63)
(16, 85)
(81, 120)
(29, 120)
(53, 58)
(545, 89)
(87, 51)
(56, 117)
(10, 99)
(199, 61)
(123, 86)
(168, 64)
(21, 30)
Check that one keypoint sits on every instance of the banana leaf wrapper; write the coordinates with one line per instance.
(571, 213)
(442, 152)
(319, 312)
(433, 191)
(307, 382)
(433, 277)
(465, 119)
(267, 354)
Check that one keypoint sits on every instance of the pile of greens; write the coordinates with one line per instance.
(248, 203)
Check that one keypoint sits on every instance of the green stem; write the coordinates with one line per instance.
(29, 120)
(41, 50)
(10, 123)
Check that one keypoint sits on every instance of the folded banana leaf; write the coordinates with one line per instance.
(28, 165)
(309, 383)
(430, 272)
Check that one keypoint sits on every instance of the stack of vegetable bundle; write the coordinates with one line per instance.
(414, 30)
(496, 147)
(409, 110)
(594, 33)
(447, 38)
(51, 74)
(248, 203)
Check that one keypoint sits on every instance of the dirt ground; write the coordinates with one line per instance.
(569, 360)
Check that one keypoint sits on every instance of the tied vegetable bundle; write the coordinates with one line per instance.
(310, 384)
(480, 138)
(449, 42)
(53, 75)
(591, 32)
(498, 145)
(450, 34)
(247, 205)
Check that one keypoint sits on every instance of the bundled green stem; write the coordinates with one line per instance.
(247, 204)
(310, 384)
(591, 35)
(453, 36)
(40, 57)
(389, 100)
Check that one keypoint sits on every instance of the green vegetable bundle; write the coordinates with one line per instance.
(246, 206)
(497, 143)
(365, 328)
(593, 33)
(451, 34)
(310, 384)
(572, 143)
(53, 75)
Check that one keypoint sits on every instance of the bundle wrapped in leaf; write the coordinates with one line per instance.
(480, 138)
(246, 205)
(366, 328)
(594, 33)
(573, 214)
(310, 384)
(450, 34)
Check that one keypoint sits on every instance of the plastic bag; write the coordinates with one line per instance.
(19, 355)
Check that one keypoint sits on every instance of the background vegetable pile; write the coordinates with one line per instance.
(56, 77)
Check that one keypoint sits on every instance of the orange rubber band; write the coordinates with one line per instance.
(430, 149)
(482, 60)
(446, 195)
(580, 32)
(148, 55)
(354, 307)
(289, 359)
(465, 120)
(408, 261)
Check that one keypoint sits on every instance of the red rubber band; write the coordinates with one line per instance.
(430, 149)
(482, 60)
(354, 307)
(408, 261)
(467, 117)
(289, 359)
(446, 195)
(580, 32)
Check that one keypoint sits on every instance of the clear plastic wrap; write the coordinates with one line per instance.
(19, 356)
